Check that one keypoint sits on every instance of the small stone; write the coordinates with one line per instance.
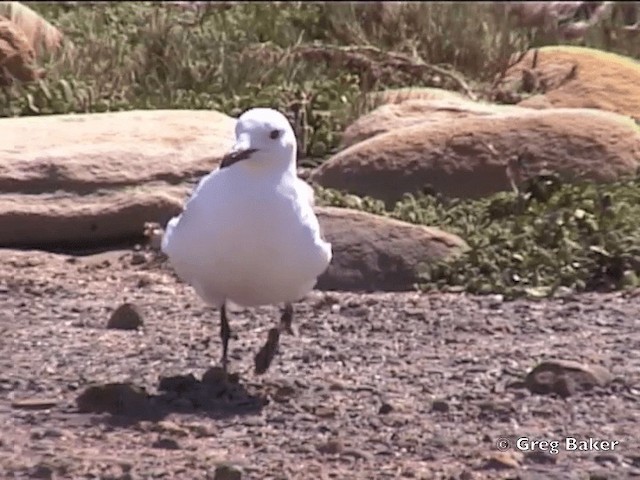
(153, 231)
(166, 444)
(565, 377)
(34, 403)
(42, 471)
(541, 457)
(126, 317)
(227, 472)
(48, 433)
(324, 412)
(359, 454)
(330, 447)
(138, 258)
(466, 475)
(169, 428)
(336, 386)
(441, 406)
(385, 408)
(496, 301)
(607, 458)
(114, 398)
(503, 461)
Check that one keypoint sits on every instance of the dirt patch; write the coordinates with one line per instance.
(371, 386)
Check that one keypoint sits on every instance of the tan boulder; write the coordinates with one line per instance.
(39, 33)
(399, 95)
(577, 77)
(410, 112)
(456, 159)
(17, 58)
(89, 179)
(372, 252)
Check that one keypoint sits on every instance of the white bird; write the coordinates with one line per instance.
(248, 234)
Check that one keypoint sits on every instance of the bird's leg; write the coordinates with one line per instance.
(286, 319)
(268, 351)
(225, 334)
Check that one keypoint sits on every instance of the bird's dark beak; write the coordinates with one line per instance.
(236, 156)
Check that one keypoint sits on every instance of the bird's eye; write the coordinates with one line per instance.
(275, 134)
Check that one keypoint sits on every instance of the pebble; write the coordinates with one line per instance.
(227, 472)
(565, 377)
(34, 403)
(166, 444)
(126, 317)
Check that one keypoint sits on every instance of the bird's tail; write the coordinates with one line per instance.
(168, 233)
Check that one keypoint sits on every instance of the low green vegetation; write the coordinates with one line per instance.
(548, 238)
(317, 62)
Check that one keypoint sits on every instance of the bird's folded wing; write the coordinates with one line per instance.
(306, 192)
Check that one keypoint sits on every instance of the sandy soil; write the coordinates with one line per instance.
(372, 386)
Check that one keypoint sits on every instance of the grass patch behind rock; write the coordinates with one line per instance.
(548, 238)
(315, 61)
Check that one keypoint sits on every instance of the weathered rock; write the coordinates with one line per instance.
(372, 252)
(126, 317)
(565, 377)
(227, 472)
(35, 403)
(411, 112)
(16, 54)
(165, 443)
(330, 447)
(77, 180)
(114, 398)
(401, 95)
(440, 406)
(577, 77)
(468, 157)
(503, 460)
(40, 34)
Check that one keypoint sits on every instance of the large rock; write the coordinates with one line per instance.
(79, 180)
(40, 34)
(457, 160)
(411, 112)
(17, 57)
(372, 252)
(399, 95)
(577, 77)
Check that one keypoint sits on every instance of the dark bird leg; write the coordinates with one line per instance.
(225, 334)
(268, 351)
(286, 319)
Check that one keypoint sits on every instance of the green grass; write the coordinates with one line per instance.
(290, 56)
(316, 62)
(581, 237)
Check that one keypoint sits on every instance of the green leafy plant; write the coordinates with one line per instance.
(580, 237)
(315, 61)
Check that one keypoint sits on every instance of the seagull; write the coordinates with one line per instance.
(248, 234)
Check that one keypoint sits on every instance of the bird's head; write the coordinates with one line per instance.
(264, 138)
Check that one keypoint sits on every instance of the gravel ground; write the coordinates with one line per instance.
(371, 386)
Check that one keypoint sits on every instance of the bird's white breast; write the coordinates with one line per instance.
(248, 240)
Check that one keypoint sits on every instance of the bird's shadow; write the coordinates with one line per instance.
(216, 396)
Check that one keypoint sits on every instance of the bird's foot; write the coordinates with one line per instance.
(268, 351)
(286, 320)
(287, 329)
